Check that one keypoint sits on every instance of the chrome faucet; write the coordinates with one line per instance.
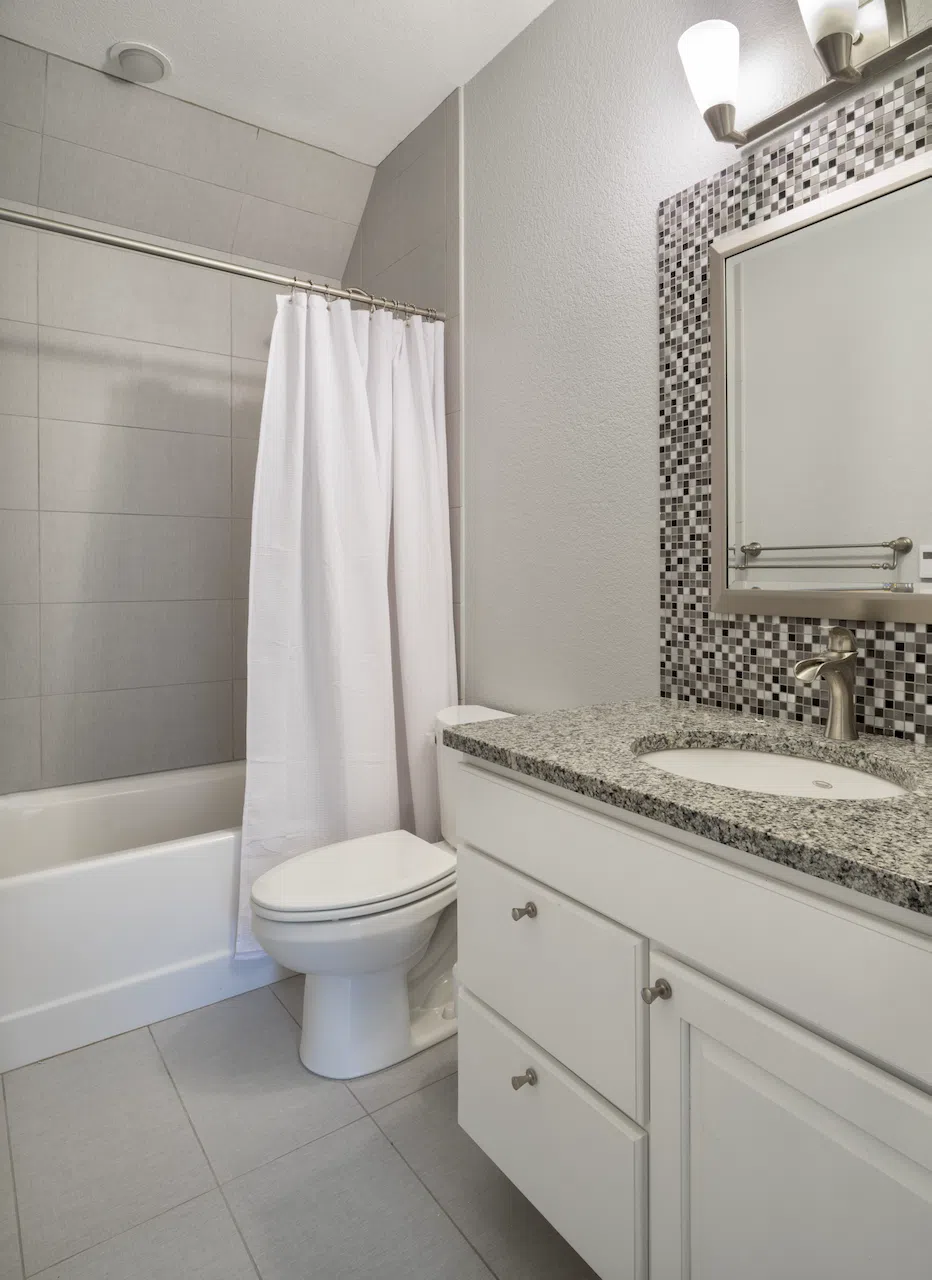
(837, 664)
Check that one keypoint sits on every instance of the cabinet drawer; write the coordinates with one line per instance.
(566, 977)
(582, 1163)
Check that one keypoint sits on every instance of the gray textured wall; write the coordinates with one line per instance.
(572, 136)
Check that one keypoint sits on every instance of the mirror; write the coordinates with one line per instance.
(822, 405)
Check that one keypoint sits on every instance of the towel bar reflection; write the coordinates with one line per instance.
(899, 546)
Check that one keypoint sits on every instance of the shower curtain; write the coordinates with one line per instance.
(350, 649)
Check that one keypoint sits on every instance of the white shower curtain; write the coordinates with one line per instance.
(350, 643)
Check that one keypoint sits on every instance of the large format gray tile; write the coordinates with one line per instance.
(240, 623)
(384, 1087)
(305, 177)
(19, 557)
(94, 184)
(290, 991)
(248, 390)
(196, 1241)
(454, 458)
(10, 1259)
(19, 368)
(347, 1208)
(315, 244)
(239, 719)
(242, 546)
(245, 453)
(19, 462)
(419, 277)
(99, 290)
(20, 749)
(253, 310)
(22, 84)
(127, 120)
(19, 650)
(237, 1069)
(87, 557)
(100, 1143)
(20, 158)
(504, 1227)
(133, 471)
(117, 733)
(86, 377)
(134, 645)
(19, 255)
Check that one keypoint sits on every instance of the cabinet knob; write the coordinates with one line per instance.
(529, 1077)
(529, 909)
(661, 990)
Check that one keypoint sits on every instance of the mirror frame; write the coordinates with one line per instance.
(861, 606)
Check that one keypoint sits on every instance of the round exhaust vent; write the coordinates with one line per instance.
(140, 63)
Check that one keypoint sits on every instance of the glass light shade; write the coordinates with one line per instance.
(709, 52)
(828, 18)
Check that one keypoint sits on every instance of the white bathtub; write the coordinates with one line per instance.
(118, 907)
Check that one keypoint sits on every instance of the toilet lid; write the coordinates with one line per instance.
(355, 873)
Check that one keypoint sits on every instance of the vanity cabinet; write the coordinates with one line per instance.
(781, 1097)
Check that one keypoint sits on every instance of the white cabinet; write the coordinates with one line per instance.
(775, 1154)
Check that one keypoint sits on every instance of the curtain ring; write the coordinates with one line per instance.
(294, 287)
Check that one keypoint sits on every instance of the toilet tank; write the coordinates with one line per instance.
(447, 760)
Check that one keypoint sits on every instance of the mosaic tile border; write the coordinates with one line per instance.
(744, 663)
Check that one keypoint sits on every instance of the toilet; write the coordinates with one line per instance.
(372, 924)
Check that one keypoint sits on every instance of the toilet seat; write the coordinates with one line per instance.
(368, 876)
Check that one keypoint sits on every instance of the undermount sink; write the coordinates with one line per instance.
(774, 775)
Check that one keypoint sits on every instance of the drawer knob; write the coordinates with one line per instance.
(529, 1077)
(529, 909)
(661, 990)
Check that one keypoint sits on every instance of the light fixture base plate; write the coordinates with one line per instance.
(721, 122)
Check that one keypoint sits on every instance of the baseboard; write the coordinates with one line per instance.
(32, 1034)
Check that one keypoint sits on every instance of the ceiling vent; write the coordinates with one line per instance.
(140, 63)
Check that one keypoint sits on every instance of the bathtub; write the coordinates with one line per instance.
(118, 907)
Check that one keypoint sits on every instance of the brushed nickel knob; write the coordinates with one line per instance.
(661, 990)
(529, 910)
(529, 1077)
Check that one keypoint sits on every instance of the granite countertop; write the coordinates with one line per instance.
(878, 847)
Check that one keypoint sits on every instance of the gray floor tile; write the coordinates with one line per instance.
(504, 1227)
(237, 1069)
(290, 992)
(347, 1208)
(100, 1144)
(10, 1262)
(383, 1087)
(197, 1241)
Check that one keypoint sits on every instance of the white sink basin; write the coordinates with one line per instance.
(772, 774)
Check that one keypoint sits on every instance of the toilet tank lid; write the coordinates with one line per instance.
(468, 715)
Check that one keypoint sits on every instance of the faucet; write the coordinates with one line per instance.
(836, 664)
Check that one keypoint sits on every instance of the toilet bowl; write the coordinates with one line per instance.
(371, 923)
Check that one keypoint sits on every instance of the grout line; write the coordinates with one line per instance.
(420, 1089)
(132, 426)
(272, 986)
(140, 342)
(9, 1146)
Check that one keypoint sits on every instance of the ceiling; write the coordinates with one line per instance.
(354, 76)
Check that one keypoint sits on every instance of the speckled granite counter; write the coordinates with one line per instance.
(879, 847)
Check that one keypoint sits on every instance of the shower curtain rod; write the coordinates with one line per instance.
(213, 264)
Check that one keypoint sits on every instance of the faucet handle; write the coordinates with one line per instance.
(841, 640)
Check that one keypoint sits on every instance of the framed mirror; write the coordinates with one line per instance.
(822, 405)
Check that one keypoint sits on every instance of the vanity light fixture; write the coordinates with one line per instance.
(709, 52)
(832, 26)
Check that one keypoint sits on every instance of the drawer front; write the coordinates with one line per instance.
(565, 976)
(577, 1159)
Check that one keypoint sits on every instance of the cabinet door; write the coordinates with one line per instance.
(775, 1154)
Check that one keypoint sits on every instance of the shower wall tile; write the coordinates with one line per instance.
(108, 291)
(248, 390)
(239, 719)
(240, 622)
(20, 152)
(241, 537)
(19, 649)
(455, 459)
(94, 184)
(19, 557)
(245, 453)
(22, 84)
(85, 377)
(127, 120)
(88, 648)
(98, 558)
(19, 451)
(419, 275)
(129, 470)
(305, 177)
(19, 369)
(314, 243)
(20, 750)
(19, 249)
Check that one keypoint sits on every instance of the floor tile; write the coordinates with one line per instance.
(10, 1262)
(100, 1144)
(290, 992)
(237, 1069)
(197, 1241)
(383, 1087)
(504, 1228)
(348, 1208)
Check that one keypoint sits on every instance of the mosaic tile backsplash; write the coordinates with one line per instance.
(744, 663)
